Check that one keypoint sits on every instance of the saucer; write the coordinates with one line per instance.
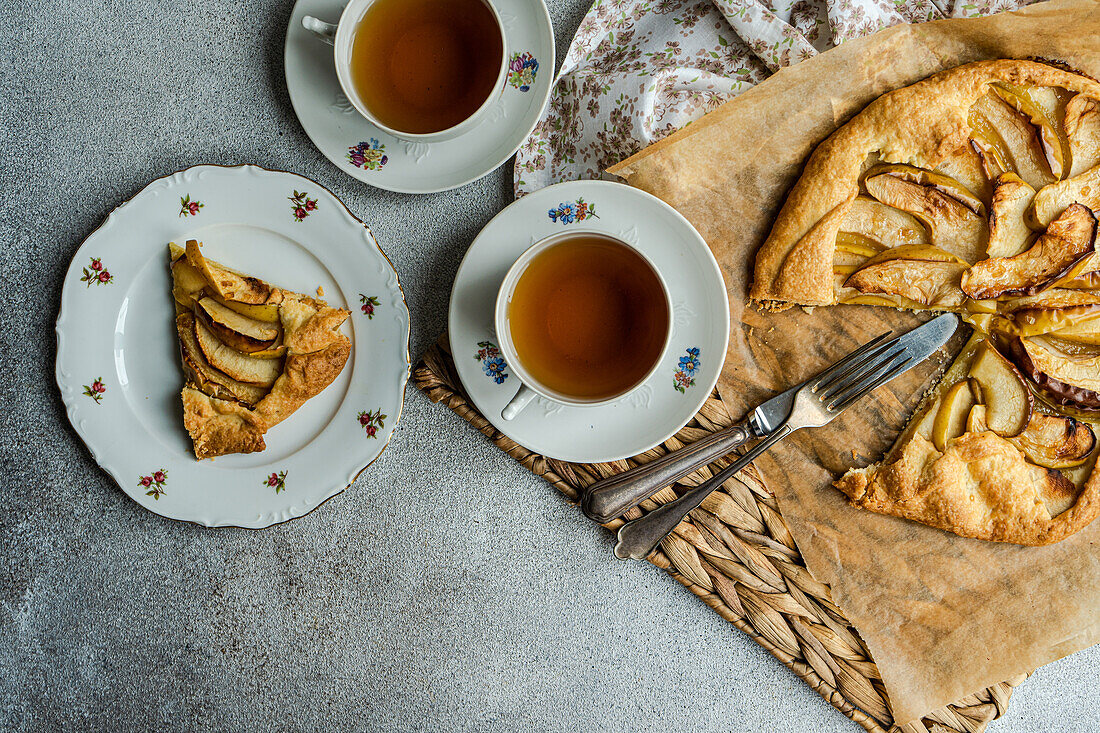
(118, 357)
(360, 149)
(700, 331)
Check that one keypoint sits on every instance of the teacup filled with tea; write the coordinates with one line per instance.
(583, 319)
(421, 70)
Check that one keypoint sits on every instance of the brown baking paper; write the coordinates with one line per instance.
(942, 616)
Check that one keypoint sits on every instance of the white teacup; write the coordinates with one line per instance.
(341, 37)
(531, 387)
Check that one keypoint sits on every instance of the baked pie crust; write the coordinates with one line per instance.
(252, 353)
(976, 191)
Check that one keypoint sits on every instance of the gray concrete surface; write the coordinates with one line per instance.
(447, 590)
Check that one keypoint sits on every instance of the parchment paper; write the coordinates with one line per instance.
(943, 616)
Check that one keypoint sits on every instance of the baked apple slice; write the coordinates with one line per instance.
(951, 417)
(872, 224)
(1005, 395)
(266, 312)
(1082, 332)
(1008, 137)
(208, 379)
(1056, 442)
(918, 273)
(1068, 240)
(1009, 234)
(975, 421)
(231, 285)
(1081, 321)
(1082, 189)
(235, 330)
(1042, 106)
(1055, 297)
(1082, 125)
(187, 283)
(239, 366)
(953, 225)
(1066, 378)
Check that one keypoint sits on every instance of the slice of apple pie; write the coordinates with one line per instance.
(976, 191)
(252, 353)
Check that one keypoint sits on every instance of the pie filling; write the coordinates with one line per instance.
(251, 353)
(995, 219)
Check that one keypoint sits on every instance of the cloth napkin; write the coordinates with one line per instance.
(638, 70)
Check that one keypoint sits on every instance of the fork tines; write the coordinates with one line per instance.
(863, 370)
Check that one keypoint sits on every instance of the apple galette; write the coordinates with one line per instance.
(252, 353)
(976, 191)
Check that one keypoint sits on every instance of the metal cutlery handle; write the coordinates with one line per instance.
(637, 539)
(614, 495)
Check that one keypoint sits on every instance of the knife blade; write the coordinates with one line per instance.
(611, 496)
(925, 340)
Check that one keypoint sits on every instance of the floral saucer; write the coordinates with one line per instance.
(118, 363)
(360, 149)
(700, 331)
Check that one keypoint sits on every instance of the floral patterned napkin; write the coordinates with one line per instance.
(638, 70)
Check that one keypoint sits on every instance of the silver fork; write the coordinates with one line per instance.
(816, 404)
(615, 495)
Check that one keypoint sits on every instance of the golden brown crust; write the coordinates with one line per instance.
(981, 487)
(304, 376)
(221, 422)
(310, 325)
(218, 427)
(931, 150)
(924, 125)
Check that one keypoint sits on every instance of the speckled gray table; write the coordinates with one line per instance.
(448, 589)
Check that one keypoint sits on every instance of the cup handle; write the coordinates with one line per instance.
(522, 399)
(325, 31)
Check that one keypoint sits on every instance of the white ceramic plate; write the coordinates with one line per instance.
(118, 363)
(360, 149)
(670, 398)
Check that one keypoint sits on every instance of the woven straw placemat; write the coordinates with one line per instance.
(736, 554)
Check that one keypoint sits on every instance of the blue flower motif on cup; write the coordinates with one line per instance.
(369, 156)
(491, 362)
(522, 70)
(685, 372)
(568, 212)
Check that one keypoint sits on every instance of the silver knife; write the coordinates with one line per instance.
(613, 496)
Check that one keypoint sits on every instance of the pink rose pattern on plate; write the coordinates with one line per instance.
(301, 205)
(189, 207)
(369, 303)
(96, 273)
(369, 155)
(95, 390)
(276, 481)
(638, 70)
(372, 422)
(155, 482)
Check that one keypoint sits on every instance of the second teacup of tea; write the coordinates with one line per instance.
(583, 319)
(421, 70)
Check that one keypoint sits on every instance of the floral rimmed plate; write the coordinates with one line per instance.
(361, 150)
(118, 364)
(700, 332)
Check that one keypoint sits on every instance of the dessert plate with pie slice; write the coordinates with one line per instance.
(977, 191)
(232, 346)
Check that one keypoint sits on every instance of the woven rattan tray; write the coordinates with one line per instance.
(736, 554)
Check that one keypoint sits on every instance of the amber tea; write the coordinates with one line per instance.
(588, 317)
(422, 66)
